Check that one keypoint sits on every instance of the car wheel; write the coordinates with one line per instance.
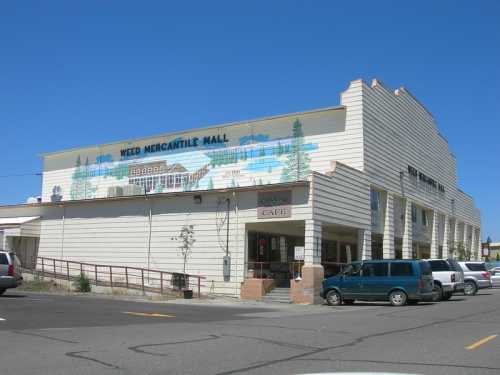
(398, 298)
(2, 291)
(437, 293)
(446, 296)
(333, 298)
(470, 288)
(349, 301)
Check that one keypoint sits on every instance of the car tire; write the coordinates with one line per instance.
(348, 302)
(398, 298)
(333, 298)
(470, 288)
(447, 296)
(437, 293)
(2, 291)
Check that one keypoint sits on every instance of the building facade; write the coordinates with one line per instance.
(277, 197)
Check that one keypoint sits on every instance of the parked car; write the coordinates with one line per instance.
(448, 278)
(495, 276)
(10, 273)
(476, 277)
(397, 281)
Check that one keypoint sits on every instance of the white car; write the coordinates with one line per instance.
(448, 278)
(495, 276)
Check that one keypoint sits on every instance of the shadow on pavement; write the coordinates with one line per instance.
(13, 296)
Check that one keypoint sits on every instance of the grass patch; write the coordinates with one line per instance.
(38, 285)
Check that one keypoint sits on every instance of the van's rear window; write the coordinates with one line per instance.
(476, 266)
(439, 265)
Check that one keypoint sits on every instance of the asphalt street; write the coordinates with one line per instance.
(51, 334)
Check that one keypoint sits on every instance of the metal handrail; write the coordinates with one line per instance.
(119, 276)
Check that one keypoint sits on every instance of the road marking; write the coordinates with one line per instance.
(152, 315)
(478, 343)
(2, 319)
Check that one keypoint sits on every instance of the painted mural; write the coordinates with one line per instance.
(193, 164)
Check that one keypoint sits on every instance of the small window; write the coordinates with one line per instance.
(425, 268)
(401, 269)
(375, 199)
(375, 269)
(439, 265)
(425, 221)
(476, 266)
(3, 259)
(413, 213)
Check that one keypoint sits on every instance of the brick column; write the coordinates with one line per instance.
(307, 289)
(388, 242)
(408, 233)
(435, 236)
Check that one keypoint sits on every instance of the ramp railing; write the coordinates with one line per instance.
(116, 276)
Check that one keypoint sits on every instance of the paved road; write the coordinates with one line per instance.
(47, 334)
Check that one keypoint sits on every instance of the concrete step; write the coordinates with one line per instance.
(278, 295)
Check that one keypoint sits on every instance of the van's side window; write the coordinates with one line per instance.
(401, 269)
(375, 269)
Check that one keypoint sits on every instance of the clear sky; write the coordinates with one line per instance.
(75, 73)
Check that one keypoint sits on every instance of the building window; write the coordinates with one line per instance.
(413, 213)
(425, 220)
(375, 199)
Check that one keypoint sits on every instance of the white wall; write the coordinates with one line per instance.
(117, 233)
(398, 131)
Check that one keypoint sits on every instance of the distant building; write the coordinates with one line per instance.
(494, 250)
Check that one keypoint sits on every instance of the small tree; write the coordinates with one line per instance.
(462, 252)
(187, 240)
(498, 257)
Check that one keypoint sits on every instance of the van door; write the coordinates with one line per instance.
(351, 282)
(375, 280)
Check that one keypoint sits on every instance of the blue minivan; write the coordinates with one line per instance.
(397, 281)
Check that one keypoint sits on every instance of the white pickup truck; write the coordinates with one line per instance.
(448, 278)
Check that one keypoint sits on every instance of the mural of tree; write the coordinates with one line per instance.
(81, 187)
(297, 161)
(210, 185)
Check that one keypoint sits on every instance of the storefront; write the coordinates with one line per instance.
(275, 202)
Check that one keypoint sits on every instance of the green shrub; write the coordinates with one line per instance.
(82, 284)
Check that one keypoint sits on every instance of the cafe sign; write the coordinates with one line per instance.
(274, 204)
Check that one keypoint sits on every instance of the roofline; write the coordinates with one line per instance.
(224, 125)
(164, 195)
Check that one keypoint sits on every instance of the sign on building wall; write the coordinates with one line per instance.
(299, 253)
(274, 204)
(260, 153)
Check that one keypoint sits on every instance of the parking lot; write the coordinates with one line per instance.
(53, 334)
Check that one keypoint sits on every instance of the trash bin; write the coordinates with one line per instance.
(188, 294)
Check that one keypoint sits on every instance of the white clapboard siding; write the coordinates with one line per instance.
(398, 131)
(117, 233)
(342, 198)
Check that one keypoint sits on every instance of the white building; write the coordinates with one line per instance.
(371, 178)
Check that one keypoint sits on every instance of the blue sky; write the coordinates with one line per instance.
(87, 72)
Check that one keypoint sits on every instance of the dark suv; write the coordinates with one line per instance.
(10, 273)
(397, 281)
